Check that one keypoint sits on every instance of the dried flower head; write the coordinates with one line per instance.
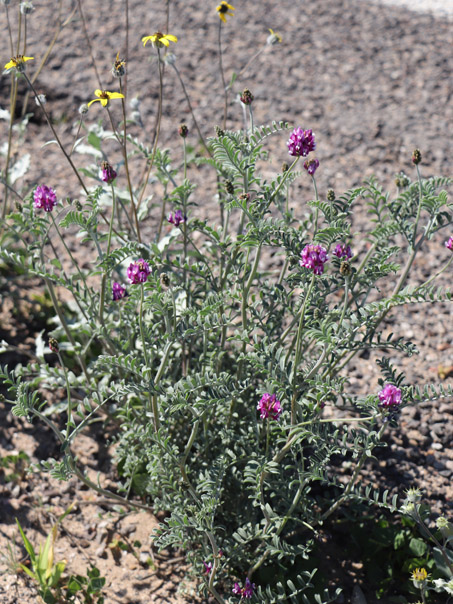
(273, 38)
(390, 396)
(285, 166)
(138, 272)
(118, 291)
(26, 8)
(40, 99)
(225, 9)
(119, 67)
(247, 97)
(269, 406)
(44, 198)
(108, 173)
(83, 109)
(105, 97)
(416, 156)
(229, 187)
(183, 131)
(177, 218)
(165, 280)
(301, 142)
(402, 180)
(18, 63)
(342, 251)
(311, 165)
(314, 257)
(159, 40)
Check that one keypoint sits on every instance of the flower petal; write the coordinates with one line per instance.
(98, 92)
(27, 58)
(171, 38)
(93, 101)
(104, 102)
(146, 39)
(164, 41)
(10, 65)
(222, 16)
(115, 95)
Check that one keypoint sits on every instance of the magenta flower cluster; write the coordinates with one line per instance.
(311, 165)
(118, 291)
(301, 142)
(314, 257)
(245, 592)
(138, 272)
(269, 406)
(342, 251)
(108, 173)
(449, 244)
(44, 198)
(390, 396)
(177, 218)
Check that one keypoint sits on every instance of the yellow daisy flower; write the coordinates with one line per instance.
(105, 96)
(18, 63)
(158, 39)
(274, 38)
(223, 9)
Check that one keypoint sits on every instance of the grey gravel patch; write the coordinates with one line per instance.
(438, 8)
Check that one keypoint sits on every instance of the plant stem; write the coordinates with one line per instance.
(225, 89)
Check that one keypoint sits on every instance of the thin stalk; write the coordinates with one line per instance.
(12, 110)
(88, 42)
(11, 44)
(19, 32)
(69, 421)
(247, 287)
(252, 126)
(60, 144)
(156, 136)
(282, 182)
(191, 109)
(109, 240)
(24, 52)
(225, 89)
(317, 209)
(73, 260)
(126, 167)
(419, 209)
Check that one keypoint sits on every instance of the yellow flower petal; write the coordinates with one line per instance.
(27, 58)
(98, 92)
(171, 38)
(164, 41)
(104, 102)
(115, 95)
(93, 101)
(146, 39)
(222, 16)
(10, 65)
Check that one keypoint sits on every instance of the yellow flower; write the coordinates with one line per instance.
(274, 38)
(18, 63)
(158, 40)
(223, 9)
(105, 96)
(419, 574)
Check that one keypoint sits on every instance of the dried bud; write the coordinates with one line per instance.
(219, 132)
(183, 131)
(165, 280)
(247, 97)
(345, 268)
(402, 181)
(26, 8)
(19, 207)
(244, 197)
(330, 195)
(78, 205)
(416, 157)
(119, 67)
(53, 345)
(229, 187)
(40, 99)
(83, 109)
(285, 167)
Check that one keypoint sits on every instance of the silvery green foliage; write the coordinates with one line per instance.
(218, 329)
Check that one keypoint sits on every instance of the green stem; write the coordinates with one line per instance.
(317, 209)
(285, 176)
(109, 240)
(225, 89)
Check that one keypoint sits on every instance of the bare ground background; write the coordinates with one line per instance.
(372, 81)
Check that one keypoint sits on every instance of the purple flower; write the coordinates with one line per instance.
(118, 291)
(390, 396)
(108, 173)
(269, 406)
(449, 244)
(245, 592)
(301, 142)
(177, 218)
(314, 257)
(207, 567)
(138, 271)
(44, 198)
(342, 251)
(311, 165)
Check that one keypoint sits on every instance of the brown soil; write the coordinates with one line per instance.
(372, 81)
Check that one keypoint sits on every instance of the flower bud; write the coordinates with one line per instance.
(165, 280)
(19, 207)
(285, 167)
(78, 205)
(119, 67)
(416, 157)
(108, 173)
(229, 187)
(330, 195)
(219, 132)
(183, 131)
(345, 269)
(247, 97)
(53, 345)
